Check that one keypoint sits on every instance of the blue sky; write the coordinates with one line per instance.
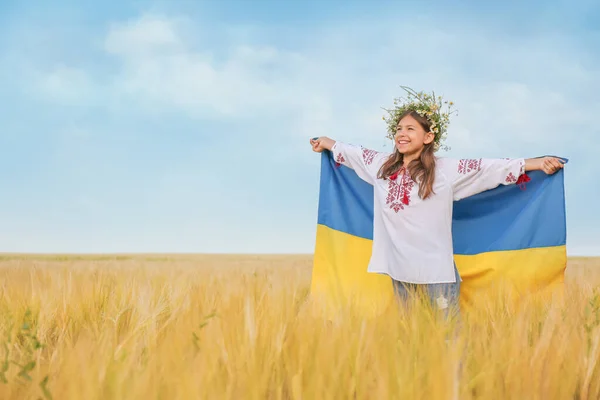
(182, 126)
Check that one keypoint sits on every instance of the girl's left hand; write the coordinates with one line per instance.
(551, 164)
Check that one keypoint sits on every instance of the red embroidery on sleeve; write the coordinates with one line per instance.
(467, 165)
(368, 156)
(339, 159)
(399, 193)
(511, 178)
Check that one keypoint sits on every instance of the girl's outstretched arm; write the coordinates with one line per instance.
(364, 162)
(470, 177)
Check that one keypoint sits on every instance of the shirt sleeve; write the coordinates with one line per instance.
(472, 176)
(365, 162)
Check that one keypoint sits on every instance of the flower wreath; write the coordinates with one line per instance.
(427, 106)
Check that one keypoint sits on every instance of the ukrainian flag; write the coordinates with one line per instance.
(507, 234)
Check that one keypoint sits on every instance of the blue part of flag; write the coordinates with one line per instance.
(508, 218)
(500, 219)
(345, 200)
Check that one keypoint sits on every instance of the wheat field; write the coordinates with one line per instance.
(238, 327)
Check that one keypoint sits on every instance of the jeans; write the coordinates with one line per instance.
(442, 296)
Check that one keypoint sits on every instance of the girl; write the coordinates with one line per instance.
(414, 192)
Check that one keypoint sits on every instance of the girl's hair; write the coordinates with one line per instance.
(421, 170)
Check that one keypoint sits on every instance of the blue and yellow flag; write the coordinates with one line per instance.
(504, 234)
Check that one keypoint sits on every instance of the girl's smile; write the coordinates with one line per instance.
(402, 144)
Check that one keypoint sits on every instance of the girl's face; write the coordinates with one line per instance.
(410, 136)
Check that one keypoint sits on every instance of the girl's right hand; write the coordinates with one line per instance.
(321, 143)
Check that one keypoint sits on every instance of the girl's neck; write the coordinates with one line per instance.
(408, 158)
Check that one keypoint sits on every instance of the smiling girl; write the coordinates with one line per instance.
(414, 191)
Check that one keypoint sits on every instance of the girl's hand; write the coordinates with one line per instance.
(321, 143)
(547, 164)
(551, 164)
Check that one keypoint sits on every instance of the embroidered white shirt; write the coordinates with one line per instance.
(412, 238)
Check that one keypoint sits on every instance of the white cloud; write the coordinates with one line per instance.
(516, 117)
(64, 84)
(337, 82)
(161, 69)
(143, 35)
(331, 86)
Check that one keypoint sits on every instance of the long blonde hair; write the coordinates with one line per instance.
(421, 170)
